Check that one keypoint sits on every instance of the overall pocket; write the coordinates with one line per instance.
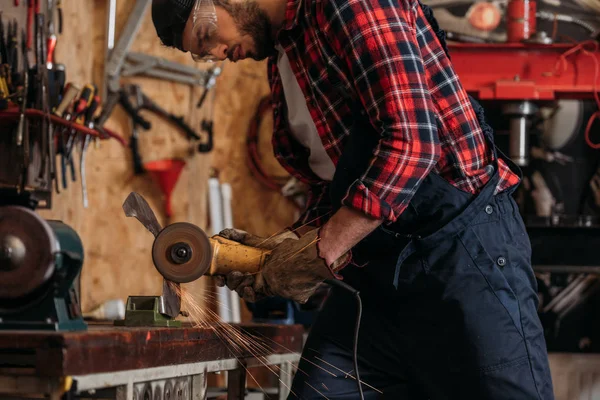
(480, 309)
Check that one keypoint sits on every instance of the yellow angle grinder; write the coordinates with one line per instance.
(182, 252)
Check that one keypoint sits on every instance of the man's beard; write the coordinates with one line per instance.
(254, 22)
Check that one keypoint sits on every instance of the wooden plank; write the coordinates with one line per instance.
(106, 348)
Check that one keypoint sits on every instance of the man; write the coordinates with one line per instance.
(410, 202)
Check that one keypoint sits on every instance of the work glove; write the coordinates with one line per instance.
(294, 270)
(248, 239)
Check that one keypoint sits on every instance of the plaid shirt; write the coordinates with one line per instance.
(385, 57)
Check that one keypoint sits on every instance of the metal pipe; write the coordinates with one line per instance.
(519, 114)
(558, 298)
(215, 206)
(111, 22)
(574, 294)
(234, 300)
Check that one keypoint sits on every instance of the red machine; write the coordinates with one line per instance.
(523, 72)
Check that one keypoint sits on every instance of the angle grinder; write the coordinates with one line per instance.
(182, 252)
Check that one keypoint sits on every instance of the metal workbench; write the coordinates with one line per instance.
(139, 363)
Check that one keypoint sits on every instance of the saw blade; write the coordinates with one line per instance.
(27, 252)
(182, 252)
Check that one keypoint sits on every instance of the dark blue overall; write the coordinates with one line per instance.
(449, 299)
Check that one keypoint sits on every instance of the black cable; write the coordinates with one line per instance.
(356, 293)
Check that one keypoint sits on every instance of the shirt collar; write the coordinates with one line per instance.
(292, 13)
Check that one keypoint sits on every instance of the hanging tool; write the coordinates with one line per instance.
(133, 100)
(22, 122)
(69, 115)
(42, 93)
(89, 118)
(79, 108)
(70, 92)
(3, 44)
(114, 64)
(54, 7)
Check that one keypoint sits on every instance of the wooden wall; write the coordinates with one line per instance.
(117, 249)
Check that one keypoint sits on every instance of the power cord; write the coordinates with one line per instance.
(356, 293)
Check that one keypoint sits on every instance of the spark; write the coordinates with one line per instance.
(241, 343)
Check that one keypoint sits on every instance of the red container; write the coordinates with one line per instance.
(520, 20)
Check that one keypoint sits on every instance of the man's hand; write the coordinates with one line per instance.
(234, 279)
(294, 270)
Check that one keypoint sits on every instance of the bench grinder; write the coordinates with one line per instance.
(39, 261)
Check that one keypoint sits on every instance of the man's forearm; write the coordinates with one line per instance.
(343, 231)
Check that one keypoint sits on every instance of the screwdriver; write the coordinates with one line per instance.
(79, 107)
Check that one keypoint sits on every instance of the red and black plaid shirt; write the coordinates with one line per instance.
(385, 57)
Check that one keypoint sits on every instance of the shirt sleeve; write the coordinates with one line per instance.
(318, 208)
(377, 40)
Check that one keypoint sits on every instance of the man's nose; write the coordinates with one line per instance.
(220, 51)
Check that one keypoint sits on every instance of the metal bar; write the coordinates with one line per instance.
(236, 384)
(558, 298)
(118, 54)
(583, 297)
(166, 64)
(285, 380)
(569, 269)
(111, 23)
(125, 392)
(169, 76)
(112, 379)
(574, 294)
(199, 387)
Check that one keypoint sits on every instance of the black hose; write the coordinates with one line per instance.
(356, 293)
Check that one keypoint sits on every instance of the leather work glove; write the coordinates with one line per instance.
(294, 270)
(248, 239)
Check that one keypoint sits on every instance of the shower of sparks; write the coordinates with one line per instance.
(243, 343)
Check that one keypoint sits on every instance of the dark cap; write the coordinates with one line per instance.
(169, 18)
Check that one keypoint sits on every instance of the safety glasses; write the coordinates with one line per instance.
(204, 36)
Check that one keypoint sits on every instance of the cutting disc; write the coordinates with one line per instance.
(182, 252)
(27, 250)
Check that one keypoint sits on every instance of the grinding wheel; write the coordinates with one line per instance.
(27, 250)
(182, 252)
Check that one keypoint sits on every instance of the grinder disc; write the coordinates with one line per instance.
(182, 252)
(27, 250)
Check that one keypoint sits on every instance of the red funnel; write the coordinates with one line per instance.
(166, 173)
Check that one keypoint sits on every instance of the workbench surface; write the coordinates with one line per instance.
(107, 348)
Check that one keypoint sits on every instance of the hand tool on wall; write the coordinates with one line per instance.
(114, 63)
(42, 98)
(89, 118)
(54, 8)
(132, 107)
(3, 46)
(22, 122)
(133, 100)
(79, 109)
